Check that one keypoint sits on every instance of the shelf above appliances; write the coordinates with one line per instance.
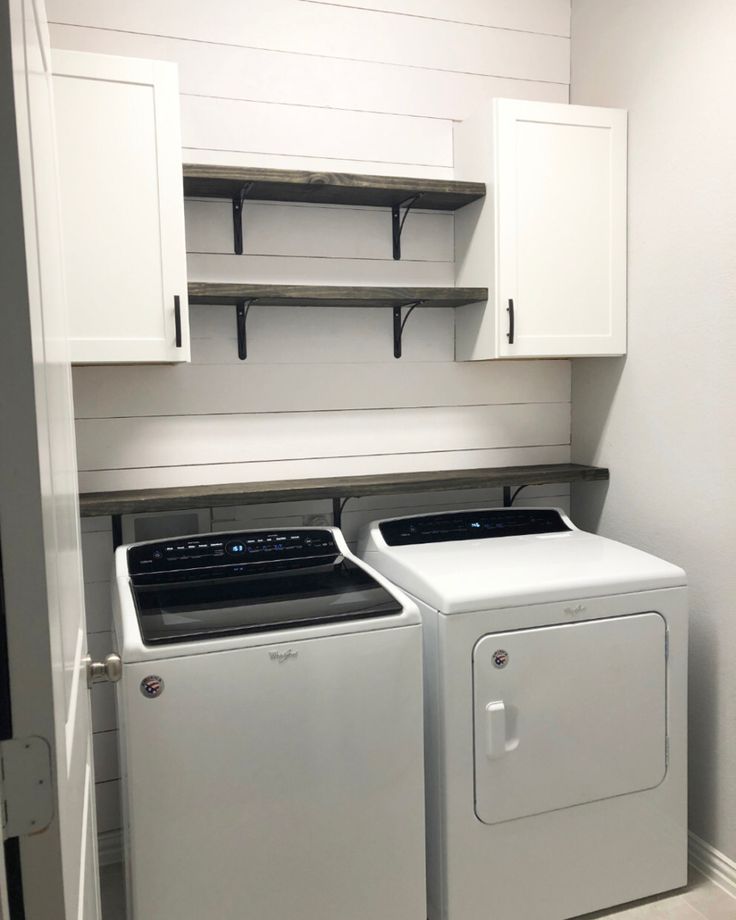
(338, 489)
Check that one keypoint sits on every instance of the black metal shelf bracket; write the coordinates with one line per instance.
(509, 497)
(238, 217)
(397, 221)
(399, 324)
(338, 505)
(117, 530)
(241, 315)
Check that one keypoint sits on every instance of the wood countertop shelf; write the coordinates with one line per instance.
(138, 501)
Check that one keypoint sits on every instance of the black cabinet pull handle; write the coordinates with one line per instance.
(177, 319)
(510, 333)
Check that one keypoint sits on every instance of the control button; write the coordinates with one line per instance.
(157, 554)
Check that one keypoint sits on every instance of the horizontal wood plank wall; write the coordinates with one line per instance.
(305, 84)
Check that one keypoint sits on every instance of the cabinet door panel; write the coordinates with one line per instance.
(561, 183)
(123, 220)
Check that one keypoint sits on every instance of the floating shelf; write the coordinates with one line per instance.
(94, 504)
(203, 181)
(308, 295)
(241, 184)
(244, 296)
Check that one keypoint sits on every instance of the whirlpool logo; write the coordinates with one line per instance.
(284, 656)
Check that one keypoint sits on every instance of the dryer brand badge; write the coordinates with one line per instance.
(282, 657)
(500, 658)
(152, 686)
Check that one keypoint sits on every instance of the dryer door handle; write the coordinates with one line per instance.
(495, 730)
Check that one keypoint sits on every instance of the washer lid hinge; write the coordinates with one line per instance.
(26, 795)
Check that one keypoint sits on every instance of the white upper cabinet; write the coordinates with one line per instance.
(119, 146)
(549, 239)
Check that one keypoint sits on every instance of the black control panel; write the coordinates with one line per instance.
(471, 525)
(232, 553)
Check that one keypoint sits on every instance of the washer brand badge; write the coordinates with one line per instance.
(574, 611)
(281, 657)
(152, 686)
(500, 658)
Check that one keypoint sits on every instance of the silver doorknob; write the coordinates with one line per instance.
(111, 669)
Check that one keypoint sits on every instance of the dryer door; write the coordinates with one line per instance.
(568, 714)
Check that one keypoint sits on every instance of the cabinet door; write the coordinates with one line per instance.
(122, 208)
(561, 229)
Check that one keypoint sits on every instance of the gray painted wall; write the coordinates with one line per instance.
(664, 418)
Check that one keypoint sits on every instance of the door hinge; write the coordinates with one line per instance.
(25, 786)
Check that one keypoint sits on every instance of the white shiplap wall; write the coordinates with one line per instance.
(370, 87)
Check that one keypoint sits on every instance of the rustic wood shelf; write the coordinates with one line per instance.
(204, 181)
(244, 296)
(241, 184)
(94, 504)
(308, 295)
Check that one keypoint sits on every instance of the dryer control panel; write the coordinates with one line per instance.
(471, 525)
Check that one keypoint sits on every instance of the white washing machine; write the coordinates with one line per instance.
(271, 731)
(555, 712)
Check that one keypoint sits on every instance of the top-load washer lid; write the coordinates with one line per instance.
(217, 585)
(464, 561)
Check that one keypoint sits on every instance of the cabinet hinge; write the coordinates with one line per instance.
(26, 795)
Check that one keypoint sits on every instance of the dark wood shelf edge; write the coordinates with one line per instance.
(256, 184)
(137, 501)
(221, 292)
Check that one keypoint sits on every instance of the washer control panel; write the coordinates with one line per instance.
(207, 551)
(471, 525)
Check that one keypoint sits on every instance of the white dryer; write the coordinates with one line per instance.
(555, 712)
(271, 731)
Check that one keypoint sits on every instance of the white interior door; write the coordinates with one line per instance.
(39, 517)
(561, 200)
